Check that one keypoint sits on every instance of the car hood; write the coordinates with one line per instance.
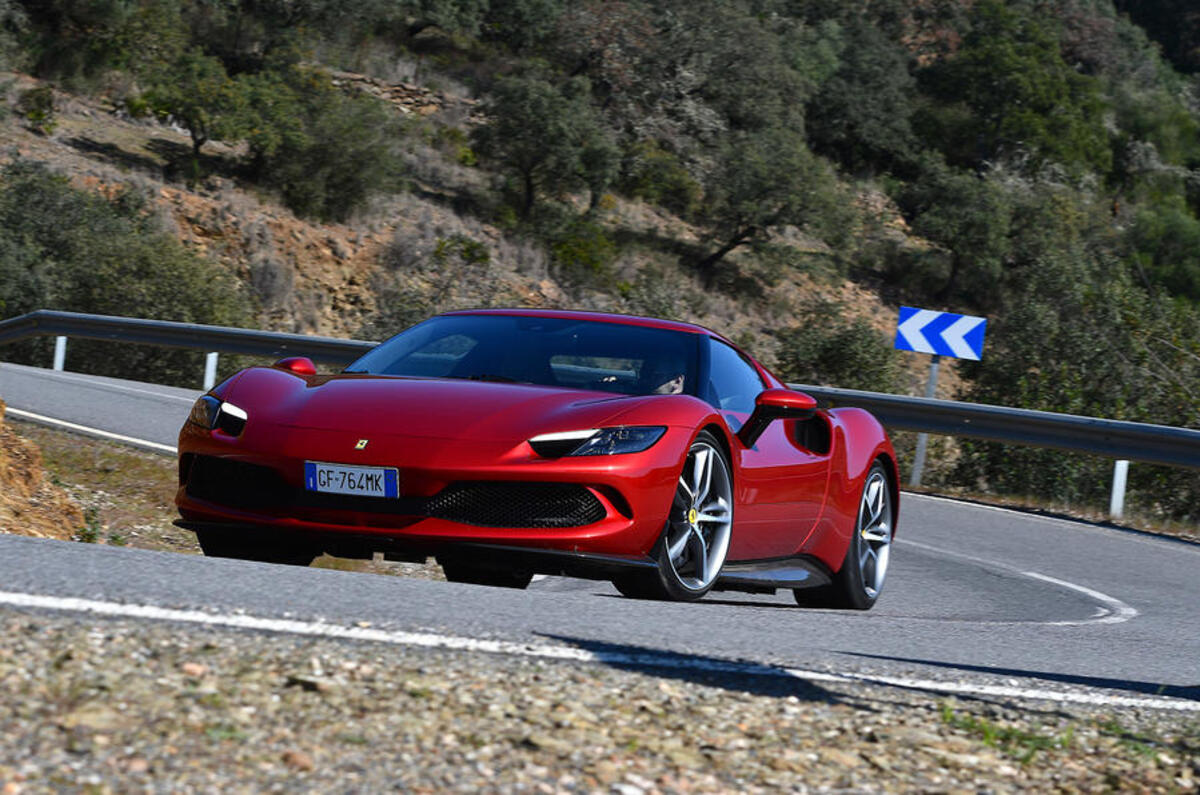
(426, 407)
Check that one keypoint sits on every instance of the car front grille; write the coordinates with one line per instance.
(510, 504)
(503, 504)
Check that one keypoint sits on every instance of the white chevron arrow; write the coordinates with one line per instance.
(911, 330)
(959, 329)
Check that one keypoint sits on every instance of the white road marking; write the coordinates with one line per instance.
(70, 426)
(96, 383)
(1120, 610)
(646, 659)
(1183, 546)
(1114, 611)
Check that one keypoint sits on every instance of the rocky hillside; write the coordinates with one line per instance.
(29, 503)
(351, 278)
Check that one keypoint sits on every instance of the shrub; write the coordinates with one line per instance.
(325, 151)
(656, 175)
(37, 106)
(583, 254)
(61, 248)
(831, 349)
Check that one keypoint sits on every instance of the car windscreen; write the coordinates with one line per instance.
(578, 354)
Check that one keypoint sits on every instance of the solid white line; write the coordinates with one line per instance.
(1114, 611)
(1187, 547)
(70, 426)
(647, 659)
(96, 383)
(1120, 610)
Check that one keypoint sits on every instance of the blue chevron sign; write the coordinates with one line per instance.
(940, 333)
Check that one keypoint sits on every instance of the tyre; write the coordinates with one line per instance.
(695, 540)
(859, 582)
(459, 571)
(223, 544)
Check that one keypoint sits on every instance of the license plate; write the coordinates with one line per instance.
(358, 481)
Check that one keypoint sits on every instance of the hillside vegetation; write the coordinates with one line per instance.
(787, 171)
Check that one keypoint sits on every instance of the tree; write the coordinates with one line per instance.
(194, 91)
(861, 115)
(61, 248)
(760, 181)
(1174, 24)
(1008, 93)
(325, 151)
(539, 132)
(969, 218)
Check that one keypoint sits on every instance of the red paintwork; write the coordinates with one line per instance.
(786, 399)
(789, 500)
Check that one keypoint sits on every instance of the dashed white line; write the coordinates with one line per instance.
(647, 659)
(84, 429)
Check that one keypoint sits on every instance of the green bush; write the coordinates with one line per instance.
(656, 175)
(583, 254)
(61, 248)
(830, 349)
(325, 151)
(37, 106)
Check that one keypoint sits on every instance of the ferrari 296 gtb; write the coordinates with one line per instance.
(512, 442)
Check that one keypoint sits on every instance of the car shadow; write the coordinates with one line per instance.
(732, 675)
(1186, 692)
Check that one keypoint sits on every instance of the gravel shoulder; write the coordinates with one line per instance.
(90, 705)
(105, 705)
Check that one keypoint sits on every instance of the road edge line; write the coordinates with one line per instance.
(39, 419)
(646, 659)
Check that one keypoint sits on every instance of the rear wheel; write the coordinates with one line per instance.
(459, 571)
(859, 582)
(225, 544)
(695, 541)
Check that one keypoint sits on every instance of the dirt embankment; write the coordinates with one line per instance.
(30, 504)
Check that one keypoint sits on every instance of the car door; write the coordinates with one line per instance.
(779, 484)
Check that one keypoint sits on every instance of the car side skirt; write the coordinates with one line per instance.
(756, 576)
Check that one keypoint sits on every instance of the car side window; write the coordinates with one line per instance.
(734, 383)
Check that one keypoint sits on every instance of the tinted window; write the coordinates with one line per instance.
(606, 357)
(733, 381)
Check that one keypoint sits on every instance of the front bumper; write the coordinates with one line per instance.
(632, 493)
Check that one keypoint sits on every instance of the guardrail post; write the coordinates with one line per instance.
(923, 438)
(1116, 507)
(60, 352)
(210, 370)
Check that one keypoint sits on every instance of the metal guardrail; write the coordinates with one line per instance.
(1154, 444)
(224, 339)
(1136, 441)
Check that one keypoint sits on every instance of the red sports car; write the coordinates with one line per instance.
(511, 442)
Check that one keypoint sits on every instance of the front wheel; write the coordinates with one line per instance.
(695, 541)
(859, 582)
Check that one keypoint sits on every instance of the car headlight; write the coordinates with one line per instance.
(209, 413)
(204, 412)
(597, 441)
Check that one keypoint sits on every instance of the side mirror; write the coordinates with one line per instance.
(300, 365)
(776, 404)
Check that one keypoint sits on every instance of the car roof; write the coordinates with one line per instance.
(598, 317)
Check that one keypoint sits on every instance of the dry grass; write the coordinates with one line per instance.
(126, 494)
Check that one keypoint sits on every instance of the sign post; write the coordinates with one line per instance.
(939, 334)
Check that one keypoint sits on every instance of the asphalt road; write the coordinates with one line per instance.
(975, 594)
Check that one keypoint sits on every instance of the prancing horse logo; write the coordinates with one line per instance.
(362, 444)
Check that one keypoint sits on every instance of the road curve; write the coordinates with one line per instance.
(976, 595)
